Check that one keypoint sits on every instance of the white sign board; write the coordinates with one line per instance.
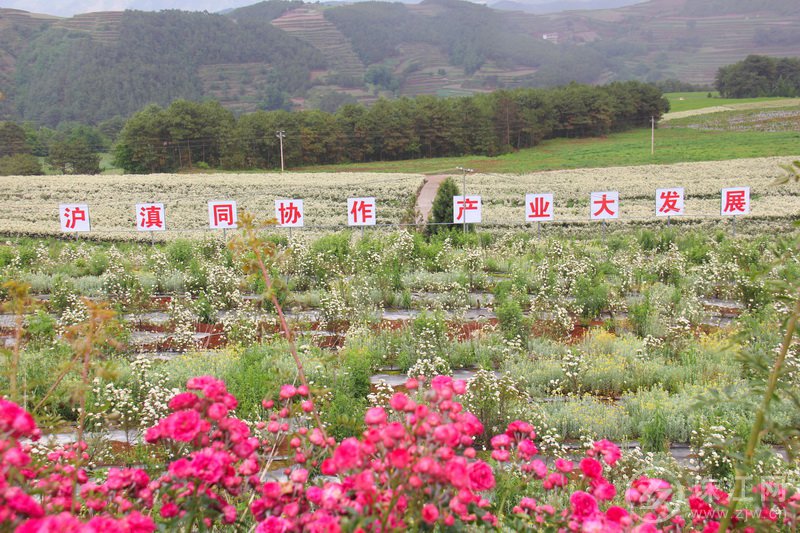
(289, 213)
(150, 217)
(538, 207)
(670, 202)
(222, 214)
(74, 217)
(735, 201)
(467, 209)
(361, 212)
(604, 205)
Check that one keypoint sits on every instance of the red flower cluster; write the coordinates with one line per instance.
(413, 467)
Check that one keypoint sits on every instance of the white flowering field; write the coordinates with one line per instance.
(30, 204)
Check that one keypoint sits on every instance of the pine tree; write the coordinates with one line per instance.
(441, 216)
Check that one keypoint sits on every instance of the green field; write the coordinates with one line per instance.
(699, 100)
(674, 145)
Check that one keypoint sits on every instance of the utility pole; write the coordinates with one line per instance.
(652, 135)
(280, 135)
(464, 190)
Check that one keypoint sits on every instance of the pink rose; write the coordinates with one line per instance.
(481, 476)
(375, 416)
(182, 425)
(430, 513)
(584, 506)
(564, 466)
(184, 400)
(591, 468)
(217, 411)
(287, 391)
(345, 456)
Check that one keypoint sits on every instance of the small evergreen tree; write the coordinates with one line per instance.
(441, 216)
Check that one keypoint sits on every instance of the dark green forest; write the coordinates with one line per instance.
(68, 75)
(188, 134)
(760, 76)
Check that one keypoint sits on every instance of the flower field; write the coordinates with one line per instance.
(464, 380)
(31, 205)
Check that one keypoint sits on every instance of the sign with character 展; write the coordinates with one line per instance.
(735, 201)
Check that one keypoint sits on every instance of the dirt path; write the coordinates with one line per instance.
(428, 193)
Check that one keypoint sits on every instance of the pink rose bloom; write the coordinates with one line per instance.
(617, 514)
(481, 476)
(471, 424)
(217, 411)
(398, 401)
(412, 384)
(375, 416)
(182, 425)
(591, 468)
(17, 421)
(274, 524)
(459, 386)
(307, 406)
(287, 391)
(564, 466)
(184, 400)
(198, 382)
(583, 505)
(399, 458)
(518, 426)
(501, 455)
(19, 502)
(345, 456)
(527, 448)
(608, 450)
(554, 480)
(430, 513)
(501, 441)
(539, 468)
(603, 490)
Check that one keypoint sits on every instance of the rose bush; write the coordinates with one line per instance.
(414, 467)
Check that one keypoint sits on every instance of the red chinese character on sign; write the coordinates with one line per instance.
(360, 207)
(223, 214)
(74, 215)
(466, 204)
(670, 202)
(604, 203)
(151, 217)
(289, 213)
(539, 208)
(735, 201)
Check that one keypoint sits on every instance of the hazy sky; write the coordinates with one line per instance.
(66, 8)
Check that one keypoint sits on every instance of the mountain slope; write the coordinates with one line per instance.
(278, 53)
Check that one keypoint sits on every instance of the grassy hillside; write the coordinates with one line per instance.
(622, 149)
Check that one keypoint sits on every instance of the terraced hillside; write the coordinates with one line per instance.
(308, 24)
(102, 26)
(312, 55)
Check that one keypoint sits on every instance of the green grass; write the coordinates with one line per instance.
(700, 100)
(674, 145)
